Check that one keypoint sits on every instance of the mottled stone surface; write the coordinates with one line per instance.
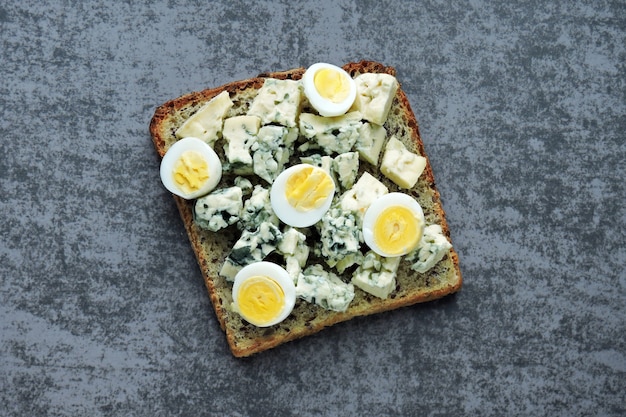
(522, 108)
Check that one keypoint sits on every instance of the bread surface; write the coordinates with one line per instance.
(211, 248)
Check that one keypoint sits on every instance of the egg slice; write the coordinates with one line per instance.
(301, 195)
(330, 90)
(190, 168)
(263, 293)
(393, 225)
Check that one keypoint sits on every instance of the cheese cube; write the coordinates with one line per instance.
(362, 194)
(374, 96)
(400, 165)
(370, 142)
(207, 122)
(376, 274)
(278, 101)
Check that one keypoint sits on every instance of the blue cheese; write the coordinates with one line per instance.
(430, 250)
(370, 142)
(252, 246)
(376, 274)
(240, 132)
(362, 194)
(340, 236)
(219, 209)
(332, 134)
(257, 209)
(272, 150)
(294, 250)
(346, 166)
(374, 96)
(400, 165)
(324, 289)
(278, 101)
(207, 122)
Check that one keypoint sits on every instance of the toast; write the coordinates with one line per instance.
(212, 249)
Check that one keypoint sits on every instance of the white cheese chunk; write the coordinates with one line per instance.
(278, 101)
(257, 209)
(294, 250)
(376, 274)
(400, 165)
(333, 134)
(370, 142)
(362, 194)
(340, 235)
(219, 209)
(206, 123)
(430, 250)
(240, 132)
(272, 150)
(325, 289)
(374, 96)
(346, 165)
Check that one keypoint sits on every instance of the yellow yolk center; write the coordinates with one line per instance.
(396, 230)
(190, 171)
(331, 84)
(260, 299)
(308, 188)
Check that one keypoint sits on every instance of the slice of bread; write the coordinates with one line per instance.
(211, 248)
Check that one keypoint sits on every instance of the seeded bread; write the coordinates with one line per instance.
(211, 249)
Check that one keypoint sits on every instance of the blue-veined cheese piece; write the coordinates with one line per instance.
(370, 142)
(376, 274)
(430, 250)
(240, 133)
(346, 166)
(207, 122)
(278, 101)
(340, 235)
(271, 150)
(294, 250)
(324, 289)
(257, 209)
(252, 246)
(362, 194)
(245, 184)
(332, 134)
(374, 96)
(400, 165)
(219, 209)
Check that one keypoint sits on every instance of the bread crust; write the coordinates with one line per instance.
(211, 249)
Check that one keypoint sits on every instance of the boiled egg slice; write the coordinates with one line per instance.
(301, 195)
(330, 89)
(190, 168)
(263, 293)
(393, 225)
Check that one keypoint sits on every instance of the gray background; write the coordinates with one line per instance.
(522, 109)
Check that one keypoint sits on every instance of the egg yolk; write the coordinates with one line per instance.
(190, 171)
(308, 188)
(260, 299)
(331, 84)
(396, 230)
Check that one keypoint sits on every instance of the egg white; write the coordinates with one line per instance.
(173, 154)
(324, 106)
(289, 214)
(375, 210)
(279, 275)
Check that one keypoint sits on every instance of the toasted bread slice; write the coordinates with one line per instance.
(211, 249)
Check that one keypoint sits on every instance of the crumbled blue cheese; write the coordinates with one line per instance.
(374, 96)
(272, 150)
(325, 289)
(332, 134)
(219, 209)
(376, 274)
(346, 165)
(240, 132)
(340, 236)
(245, 184)
(278, 101)
(252, 246)
(431, 249)
(400, 165)
(362, 194)
(207, 122)
(294, 250)
(257, 209)
(370, 142)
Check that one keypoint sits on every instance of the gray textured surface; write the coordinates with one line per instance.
(522, 108)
